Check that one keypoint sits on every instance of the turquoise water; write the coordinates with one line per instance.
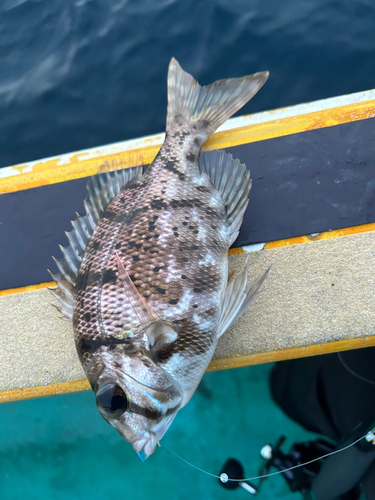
(59, 447)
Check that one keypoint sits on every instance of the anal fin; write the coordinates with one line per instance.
(237, 299)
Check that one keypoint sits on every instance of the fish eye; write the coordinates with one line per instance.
(112, 401)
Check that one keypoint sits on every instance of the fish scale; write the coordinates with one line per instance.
(145, 278)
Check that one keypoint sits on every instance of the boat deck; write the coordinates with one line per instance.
(311, 214)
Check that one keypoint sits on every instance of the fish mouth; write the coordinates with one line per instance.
(145, 445)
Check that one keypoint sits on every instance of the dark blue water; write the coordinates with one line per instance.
(81, 73)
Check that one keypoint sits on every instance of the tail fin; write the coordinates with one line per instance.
(212, 105)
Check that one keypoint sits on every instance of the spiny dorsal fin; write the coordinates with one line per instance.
(211, 105)
(101, 189)
(231, 178)
(237, 299)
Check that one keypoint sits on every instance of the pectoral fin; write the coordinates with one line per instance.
(237, 299)
(158, 331)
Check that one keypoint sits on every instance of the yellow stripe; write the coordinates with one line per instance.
(325, 235)
(28, 288)
(296, 352)
(235, 251)
(49, 390)
(292, 125)
(51, 172)
(215, 365)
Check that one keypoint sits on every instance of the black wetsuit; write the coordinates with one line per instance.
(324, 397)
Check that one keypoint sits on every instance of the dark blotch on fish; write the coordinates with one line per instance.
(169, 165)
(158, 205)
(145, 412)
(166, 352)
(110, 214)
(83, 279)
(109, 277)
(131, 185)
(132, 215)
(183, 134)
(191, 157)
(85, 345)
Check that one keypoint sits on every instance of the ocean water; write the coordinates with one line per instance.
(82, 73)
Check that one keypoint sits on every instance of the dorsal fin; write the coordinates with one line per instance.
(232, 179)
(101, 189)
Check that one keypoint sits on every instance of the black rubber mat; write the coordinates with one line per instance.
(302, 183)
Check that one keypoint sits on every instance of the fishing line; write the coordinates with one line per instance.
(226, 478)
(352, 371)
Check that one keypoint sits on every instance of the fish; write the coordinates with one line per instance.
(144, 278)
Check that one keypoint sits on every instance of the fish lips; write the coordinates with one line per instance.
(146, 444)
